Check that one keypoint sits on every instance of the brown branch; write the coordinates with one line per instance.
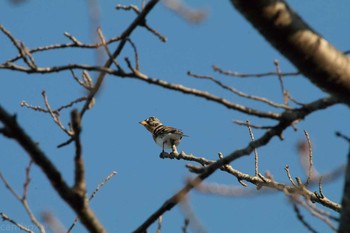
(288, 118)
(79, 184)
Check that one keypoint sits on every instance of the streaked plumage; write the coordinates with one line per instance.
(165, 136)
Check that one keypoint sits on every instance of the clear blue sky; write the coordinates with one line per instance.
(114, 141)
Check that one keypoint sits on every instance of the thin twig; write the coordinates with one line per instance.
(309, 176)
(137, 63)
(22, 50)
(23, 199)
(203, 94)
(54, 115)
(105, 46)
(126, 34)
(343, 136)
(320, 190)
(20, 226)
(239, 93)
(258, 75)
(41, 109)
(286, 168)
(256, 157)
(92, 196)
(238, 122)
(27, 180)
(284, 91)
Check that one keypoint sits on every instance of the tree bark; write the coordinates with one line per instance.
(313, 56)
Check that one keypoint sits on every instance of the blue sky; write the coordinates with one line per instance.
(114, 141)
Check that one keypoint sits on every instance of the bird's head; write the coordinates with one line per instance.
(150, 123)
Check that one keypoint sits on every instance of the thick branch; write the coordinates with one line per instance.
(313, 56)
(74, 199)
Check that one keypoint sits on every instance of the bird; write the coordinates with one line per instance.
(165, 136)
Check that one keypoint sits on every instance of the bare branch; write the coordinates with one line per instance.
(239, 93)
(284, 91)
(140, 76)
(256, 157)
(313, 56)
(289, 175)
(238, 122)
(55, 116)
(126, 34)
(309, 176)
(84, 212)
(92, 196)
(258, 75)
(20, 226)
(23, 199)
(79, 184)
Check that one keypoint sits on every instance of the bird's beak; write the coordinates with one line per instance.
(143, 123)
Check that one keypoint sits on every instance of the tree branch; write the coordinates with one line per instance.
(77, 203)
(288, 118)
(312, 55)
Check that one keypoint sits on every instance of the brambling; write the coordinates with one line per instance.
(165, 136)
